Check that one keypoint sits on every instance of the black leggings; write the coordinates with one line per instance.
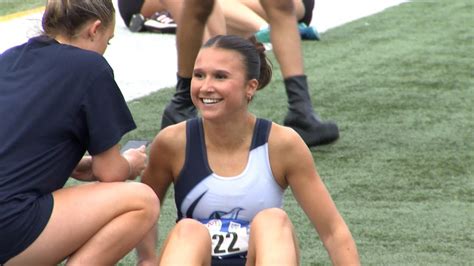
(308, 11)
(128, 8)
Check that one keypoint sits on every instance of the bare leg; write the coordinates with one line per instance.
(146, 249)
(256, 7)
(189, 38)
(241, 19)
(216, 23)
(214, 19)
(272, 239)
(150, 7)
(188, 243)
(285, 36)
(189, 35)
(93, 224)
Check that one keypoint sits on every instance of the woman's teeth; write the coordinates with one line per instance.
(210, 101)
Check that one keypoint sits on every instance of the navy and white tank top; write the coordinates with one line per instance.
(226, 202)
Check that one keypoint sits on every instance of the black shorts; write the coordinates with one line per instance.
(21, 228)
(128, 8)
(229, 261)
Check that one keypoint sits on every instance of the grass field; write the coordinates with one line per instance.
(14, 6)
(400, 84)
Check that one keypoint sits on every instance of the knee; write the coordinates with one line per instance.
(275, 218)
(285, 6)
(147, 200)
(190, 229)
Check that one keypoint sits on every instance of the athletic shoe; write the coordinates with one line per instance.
(161, 22)
(308, 32)
(263, 35)
(136, 23)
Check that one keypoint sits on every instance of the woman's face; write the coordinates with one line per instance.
(95, 36)
(103, 37)
(219, 87)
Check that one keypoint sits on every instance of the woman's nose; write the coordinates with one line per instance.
(207, 85)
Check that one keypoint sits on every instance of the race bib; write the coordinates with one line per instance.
(229, 237)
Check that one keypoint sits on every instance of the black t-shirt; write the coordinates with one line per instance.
(56, 102)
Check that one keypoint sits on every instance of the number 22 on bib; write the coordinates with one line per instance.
(229, 237)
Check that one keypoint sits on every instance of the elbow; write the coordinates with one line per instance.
(112, 171)
(108, 175)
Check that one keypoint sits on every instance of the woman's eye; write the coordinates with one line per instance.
(198, 75)
(219, 76)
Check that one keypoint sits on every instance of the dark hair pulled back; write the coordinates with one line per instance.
(253, 53)
(66, 17)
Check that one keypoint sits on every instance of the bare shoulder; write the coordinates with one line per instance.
(284, 139)
(170, 139)
(287, 153)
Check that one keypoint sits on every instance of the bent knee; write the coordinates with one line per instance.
(146, 199)
(191, 229)
(272, 217)
(187, 226)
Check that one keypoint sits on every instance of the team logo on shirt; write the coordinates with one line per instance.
(232, 214)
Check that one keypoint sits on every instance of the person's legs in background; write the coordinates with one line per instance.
(247, 17)
(127, 8)
(287, 49)
(192, 19)
(146, 15)
(241, 19)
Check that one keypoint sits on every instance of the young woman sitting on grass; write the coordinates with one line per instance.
(229, 168)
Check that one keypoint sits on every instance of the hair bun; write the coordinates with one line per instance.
(258, 45)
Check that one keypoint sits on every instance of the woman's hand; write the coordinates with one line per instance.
(137, 160)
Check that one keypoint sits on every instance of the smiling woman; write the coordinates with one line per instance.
(18, 8)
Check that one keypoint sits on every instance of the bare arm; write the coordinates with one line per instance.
(159, 175)
(313, 197)
(83, 170)
(111, 166)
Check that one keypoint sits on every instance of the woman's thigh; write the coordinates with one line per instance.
(257, 8)
(272, 238)
(79, 212)
(188, 237)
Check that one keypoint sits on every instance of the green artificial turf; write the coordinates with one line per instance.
(13, 6)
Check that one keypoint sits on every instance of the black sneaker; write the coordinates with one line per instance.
(136, 23)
